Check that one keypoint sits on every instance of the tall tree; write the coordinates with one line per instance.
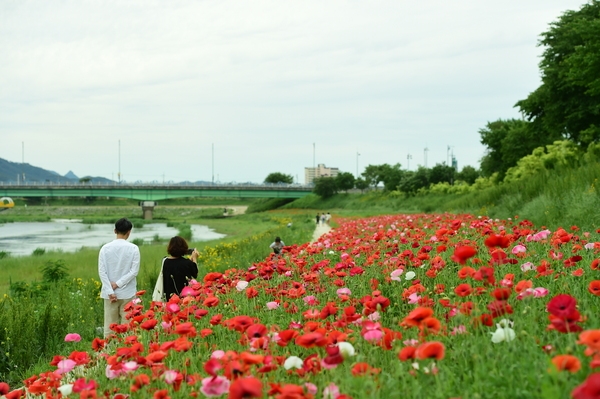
(278, 177)
(325, 187)
(567, 104)
(507, 141)
(344, 181)
(468, 174)
(441, 173)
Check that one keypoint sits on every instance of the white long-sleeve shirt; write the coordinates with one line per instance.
(119, 261)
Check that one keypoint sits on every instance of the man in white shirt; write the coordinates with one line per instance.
(118, 266)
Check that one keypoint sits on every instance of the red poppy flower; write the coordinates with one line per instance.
(463, 290)
(568, 363)
(244, 388)
(588, 389)
(407, 353)
(311, 339)
(561, 305)
(156, 357)
(591, 338)
(462, 253)
(594, 287)
(363, 368)
(466, 272)
(495, 240)
(415, 317)
(430, 350)
(149, 324)
(256, 331)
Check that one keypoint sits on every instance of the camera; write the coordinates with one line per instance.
(190, 251)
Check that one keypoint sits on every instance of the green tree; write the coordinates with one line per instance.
(344, 181)
(507, 141)
(390, 176)
(278, 177)
(413, 181)
(361, 184)
(442, 173)
(325, 187)
(567, 103)
(468, 174)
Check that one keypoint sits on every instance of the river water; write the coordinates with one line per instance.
(22, 238)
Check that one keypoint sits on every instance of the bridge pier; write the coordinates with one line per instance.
(147, 208)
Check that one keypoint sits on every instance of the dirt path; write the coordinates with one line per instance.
(321, 229)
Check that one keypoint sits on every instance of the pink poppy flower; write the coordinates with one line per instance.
(111, 373)
(331, 391)
(72, 337)
(218, 354)
(65, 365)
(272, 305)
(413, 298)
(295, 325)
(343, 291)
(214, 386)
(395, 275)
(374, 316)
(310, 300)
(170, 376)
(311, 388)
(519, 248)
(527, 266)
(172, 307)
(130, 366)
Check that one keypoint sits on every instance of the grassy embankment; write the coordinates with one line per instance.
(558, 198)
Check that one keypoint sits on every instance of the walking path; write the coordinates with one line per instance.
(321, 229)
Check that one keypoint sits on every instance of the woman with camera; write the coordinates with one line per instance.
(178, 270)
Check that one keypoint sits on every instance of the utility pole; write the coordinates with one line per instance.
(357, 155)
(408, 158)
(425, 152)
(213, 163)
(119, 174)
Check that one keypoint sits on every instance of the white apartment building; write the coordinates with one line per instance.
(310, 174)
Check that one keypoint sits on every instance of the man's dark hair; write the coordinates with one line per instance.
(277, 239)
(123, 226)
(177, 247)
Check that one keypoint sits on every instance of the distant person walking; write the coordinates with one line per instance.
(118, 267)
(318, 218)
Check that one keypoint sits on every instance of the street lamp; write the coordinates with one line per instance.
(408, 158)
(357, 155)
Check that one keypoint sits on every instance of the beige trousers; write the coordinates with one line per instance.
(114, 313)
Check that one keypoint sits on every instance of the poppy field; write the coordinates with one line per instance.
(416, 306)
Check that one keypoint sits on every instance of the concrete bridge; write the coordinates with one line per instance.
(148, 194)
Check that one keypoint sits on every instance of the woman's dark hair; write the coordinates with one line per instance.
(177, 247)
(123, 225)
(277, 239)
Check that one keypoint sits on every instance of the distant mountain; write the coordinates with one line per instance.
(23, 172)
(71, 175)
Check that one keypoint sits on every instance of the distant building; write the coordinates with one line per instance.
(310, 174)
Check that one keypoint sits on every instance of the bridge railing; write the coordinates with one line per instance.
(247, 186)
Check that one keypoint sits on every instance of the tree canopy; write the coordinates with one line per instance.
(567, 104)
(278, 177)
(507, 141)
(325, 187)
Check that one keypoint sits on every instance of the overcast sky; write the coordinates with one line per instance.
(231, 91)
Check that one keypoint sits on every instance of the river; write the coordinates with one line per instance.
(22, 238)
